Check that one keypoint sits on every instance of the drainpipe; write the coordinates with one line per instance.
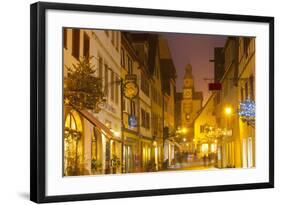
(122, 127)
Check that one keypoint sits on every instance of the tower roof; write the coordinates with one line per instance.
(188, 71)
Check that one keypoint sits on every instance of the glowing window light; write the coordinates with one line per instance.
(205, 148)
(213, 147)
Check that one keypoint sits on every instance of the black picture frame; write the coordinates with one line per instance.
(38, 101)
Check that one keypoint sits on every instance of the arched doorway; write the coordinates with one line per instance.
(73, 146)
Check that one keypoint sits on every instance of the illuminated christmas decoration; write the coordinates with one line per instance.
(247, 111)
(81, 88)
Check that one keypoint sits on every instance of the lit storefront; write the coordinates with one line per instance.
(73, 147)
(169, 152)
(146, 146)
(247, 132)
(89, 146)
(131, 153)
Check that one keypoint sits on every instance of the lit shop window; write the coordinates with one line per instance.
(72, 144)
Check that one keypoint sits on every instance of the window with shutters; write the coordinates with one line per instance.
(117, 89)
(144, 85)
(86, 46)
(106, 79)
(143, 118)
(117, 40)
(106, 32)
(65, 38)
(246, 46)
(246, 90)
(242, 94)
(129, 65)
(112, 86)
(122, 58)
(252, 92)
(75, 43)
(113, 38)
(147, 120)
(100, 66)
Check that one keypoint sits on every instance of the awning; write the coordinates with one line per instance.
(178, 145)
(97, 123)
(174, 143)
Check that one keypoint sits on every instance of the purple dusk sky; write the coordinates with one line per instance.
(197, 50)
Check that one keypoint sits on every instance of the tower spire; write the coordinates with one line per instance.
(188, 71)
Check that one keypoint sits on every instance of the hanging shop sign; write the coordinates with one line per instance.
(214, 86)
(131, 88)
(227, 132)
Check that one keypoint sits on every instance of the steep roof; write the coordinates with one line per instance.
(151, 40)
(168, 70)
(164, 48)
(165, 57)
(178, 96)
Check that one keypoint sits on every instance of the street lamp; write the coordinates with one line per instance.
(228, 113)
(228, 110)
(184, 130)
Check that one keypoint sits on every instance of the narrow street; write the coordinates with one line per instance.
(133, 104)
(192, 165)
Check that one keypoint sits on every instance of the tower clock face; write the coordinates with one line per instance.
(187, 93)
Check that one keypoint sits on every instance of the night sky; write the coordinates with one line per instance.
(196, 50)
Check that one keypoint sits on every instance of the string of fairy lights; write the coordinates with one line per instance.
(247, 109)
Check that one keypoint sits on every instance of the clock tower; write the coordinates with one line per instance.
(190, 103)
(187, 96)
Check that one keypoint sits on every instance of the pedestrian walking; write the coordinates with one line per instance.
(205, 160)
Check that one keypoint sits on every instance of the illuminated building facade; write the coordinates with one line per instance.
(98, 147)
(131, 107)
(157, 115)
(228, 117)
(246, 91)
(206, 130)
(168, 78)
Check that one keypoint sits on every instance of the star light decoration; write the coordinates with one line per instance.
(247, 111)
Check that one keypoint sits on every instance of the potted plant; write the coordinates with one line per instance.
(115, 163)
(151, 167)
(96, 166)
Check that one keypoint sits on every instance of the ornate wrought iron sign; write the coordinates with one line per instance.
(131, 88)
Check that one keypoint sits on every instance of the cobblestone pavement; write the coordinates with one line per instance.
(192, 165)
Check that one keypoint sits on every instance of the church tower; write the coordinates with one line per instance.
(190, 103)
(188, 89)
